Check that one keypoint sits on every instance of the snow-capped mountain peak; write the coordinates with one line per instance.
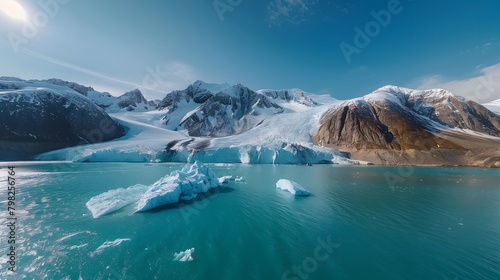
(393, 89)
(216, 110)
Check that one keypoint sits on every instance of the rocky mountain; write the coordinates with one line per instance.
(401, 126)
(289, 95)
(36, 117)
(232, 123)
(129, 101)
(216, 110)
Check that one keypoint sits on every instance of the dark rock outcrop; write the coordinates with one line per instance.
(37, 120)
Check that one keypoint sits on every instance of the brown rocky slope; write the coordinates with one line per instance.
(397, 126)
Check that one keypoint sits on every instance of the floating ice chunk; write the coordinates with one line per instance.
(77, 246)
(109, 244)
(191, 179)
(292, 187)
(114, 243)
(185, 256)
(113, 200)
(224, 179)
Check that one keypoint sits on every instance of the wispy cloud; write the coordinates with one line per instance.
(290, 11)
(163, 78)
(157, 81)
(492, 46)
(76, 67)
(482, 88)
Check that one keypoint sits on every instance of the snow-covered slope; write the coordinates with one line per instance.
(145, 142)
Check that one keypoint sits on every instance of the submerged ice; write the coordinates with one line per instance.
(182, 184)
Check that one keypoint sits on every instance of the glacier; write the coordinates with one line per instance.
(284, 138)
(292, 187)
(182, 184)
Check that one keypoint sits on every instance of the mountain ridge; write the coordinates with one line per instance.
(222, 122)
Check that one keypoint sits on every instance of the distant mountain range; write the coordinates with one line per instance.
(232, 123)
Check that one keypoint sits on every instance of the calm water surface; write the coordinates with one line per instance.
(360, 223)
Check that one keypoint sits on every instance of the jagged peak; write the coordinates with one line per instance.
(212, 87)
(134, 92)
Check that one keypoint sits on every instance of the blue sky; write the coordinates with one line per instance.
(161, 45)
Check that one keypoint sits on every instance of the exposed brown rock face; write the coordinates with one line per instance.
(454, 111)
(400, 126)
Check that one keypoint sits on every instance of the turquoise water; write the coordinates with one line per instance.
(360, 223)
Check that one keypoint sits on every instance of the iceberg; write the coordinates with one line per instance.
(292, 187)
(191, 179)
(185, 256)
(183, 184)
